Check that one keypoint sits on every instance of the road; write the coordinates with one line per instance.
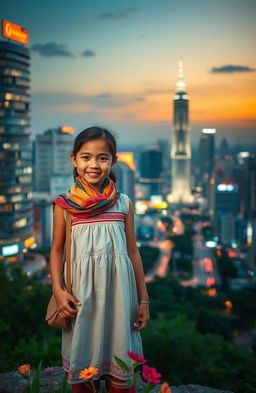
(165, 246)
(205, 271)
(161, 265)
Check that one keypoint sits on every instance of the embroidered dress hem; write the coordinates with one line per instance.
(107, 368)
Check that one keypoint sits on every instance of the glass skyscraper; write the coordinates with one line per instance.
(15, 153)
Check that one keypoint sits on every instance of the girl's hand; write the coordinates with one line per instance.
(66, 304)
(141, 317)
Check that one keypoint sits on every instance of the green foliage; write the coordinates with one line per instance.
(185, 356)
(183, 243)
(244, 306)
(35, 384)
(169, 297)
(149, 256)
(184, 265)
(226, 268)
(25, 336)
(121, 363)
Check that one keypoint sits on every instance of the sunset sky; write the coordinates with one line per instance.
(115, 64)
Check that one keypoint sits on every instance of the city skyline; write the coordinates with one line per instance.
(117, 66)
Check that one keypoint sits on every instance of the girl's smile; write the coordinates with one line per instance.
(93, 162)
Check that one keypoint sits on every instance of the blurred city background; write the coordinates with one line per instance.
(175, 82)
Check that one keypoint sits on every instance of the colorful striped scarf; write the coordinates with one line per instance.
(84, 201)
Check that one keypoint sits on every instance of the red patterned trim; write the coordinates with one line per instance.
(104, 217)
(109, 368)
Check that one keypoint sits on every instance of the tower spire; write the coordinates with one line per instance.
(180, 85)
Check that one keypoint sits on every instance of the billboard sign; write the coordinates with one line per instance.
(14, 32)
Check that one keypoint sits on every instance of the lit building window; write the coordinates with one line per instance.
(2, 198)
(13, 189)
(9, 71)
(28, 170)
(7, 208)
(14, 146)
(16, 97)
(24, 179)
(10, 250)
(16, 198)
(20, 223)
(28, 242)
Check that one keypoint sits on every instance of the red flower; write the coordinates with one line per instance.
(150, 374)
(136, 358)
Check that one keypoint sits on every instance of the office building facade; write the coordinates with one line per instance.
(151, 170)
(15, 152)
(125, 179)
(206, 158)
(53, 149)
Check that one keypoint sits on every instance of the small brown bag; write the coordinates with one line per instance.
(52, 314)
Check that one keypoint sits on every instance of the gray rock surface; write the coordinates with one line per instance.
(196, 389)
(12, 382)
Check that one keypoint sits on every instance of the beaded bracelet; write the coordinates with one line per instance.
(144, 301)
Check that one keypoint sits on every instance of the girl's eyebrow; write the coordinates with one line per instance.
(100, 154)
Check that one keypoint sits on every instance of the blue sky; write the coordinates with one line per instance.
(115, 64)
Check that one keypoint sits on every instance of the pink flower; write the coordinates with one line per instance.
(150, 374)
(48, 370)
(136, 358)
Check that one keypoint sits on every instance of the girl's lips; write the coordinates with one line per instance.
(93, 174)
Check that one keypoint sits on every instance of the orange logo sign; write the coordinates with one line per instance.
(14, 32)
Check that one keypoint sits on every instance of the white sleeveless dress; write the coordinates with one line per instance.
(103, 280)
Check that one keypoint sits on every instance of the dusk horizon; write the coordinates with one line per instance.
(102, 64)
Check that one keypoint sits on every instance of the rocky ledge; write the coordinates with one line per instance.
(12, 382)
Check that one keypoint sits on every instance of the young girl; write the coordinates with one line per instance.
(106, 270)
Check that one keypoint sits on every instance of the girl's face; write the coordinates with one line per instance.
(93, 162)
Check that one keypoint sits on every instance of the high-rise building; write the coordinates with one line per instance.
(206, 158)
(151, 170)
(15, 148)
(53, 149)
(181, 148)
(225, 210)
(223, 148)
(247, 183)
(125, 179)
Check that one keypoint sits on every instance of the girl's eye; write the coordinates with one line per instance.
(103, 158)
(85, 157)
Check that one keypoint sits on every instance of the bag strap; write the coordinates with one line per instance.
(68, 252)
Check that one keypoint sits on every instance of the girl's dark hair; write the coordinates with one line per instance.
(90, 134)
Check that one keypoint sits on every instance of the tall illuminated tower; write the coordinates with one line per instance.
(181, 149)
(16, 208)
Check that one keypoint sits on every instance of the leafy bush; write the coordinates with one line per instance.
(149, 256)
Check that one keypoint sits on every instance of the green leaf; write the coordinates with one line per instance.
(149, 387)
(121, 363)
(35, 385)
(129, 382)
(64, 386)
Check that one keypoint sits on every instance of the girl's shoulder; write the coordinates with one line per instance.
(124, 201)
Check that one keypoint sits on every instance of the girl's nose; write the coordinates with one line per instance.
(94, 163)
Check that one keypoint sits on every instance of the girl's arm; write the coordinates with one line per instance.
(56, 265)
(142, 314)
